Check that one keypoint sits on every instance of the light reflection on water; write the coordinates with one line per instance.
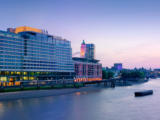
(102, 104)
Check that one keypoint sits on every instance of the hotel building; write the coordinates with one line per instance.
(32, 54)
(87, 68)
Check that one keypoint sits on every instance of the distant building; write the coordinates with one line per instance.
(157, 70)
(106, 68)
(117, 66)
(87, 50)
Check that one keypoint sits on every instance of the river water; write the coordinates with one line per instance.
(102, 104)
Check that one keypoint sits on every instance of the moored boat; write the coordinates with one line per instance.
(143, 93)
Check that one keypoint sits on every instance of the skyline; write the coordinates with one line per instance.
(123, 31)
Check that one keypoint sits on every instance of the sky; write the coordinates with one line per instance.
(125, 31)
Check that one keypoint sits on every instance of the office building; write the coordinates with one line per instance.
(32, 54)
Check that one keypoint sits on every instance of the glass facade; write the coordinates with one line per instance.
(34, 56)
(90, 50)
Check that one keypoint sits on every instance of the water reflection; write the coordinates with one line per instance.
(110, 104)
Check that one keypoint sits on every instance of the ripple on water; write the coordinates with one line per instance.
(110, 104)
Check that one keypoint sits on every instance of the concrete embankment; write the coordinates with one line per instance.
(43, 93)
(55, 92)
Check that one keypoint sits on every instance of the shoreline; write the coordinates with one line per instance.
(44, 93)
(55, 92)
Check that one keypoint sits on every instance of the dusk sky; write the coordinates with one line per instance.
(126, 31)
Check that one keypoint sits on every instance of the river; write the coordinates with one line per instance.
(103, 104)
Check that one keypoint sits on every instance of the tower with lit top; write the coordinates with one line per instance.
(87, 51)
(83, 50)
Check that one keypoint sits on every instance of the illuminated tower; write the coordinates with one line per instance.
(83, 49)
(87, 50)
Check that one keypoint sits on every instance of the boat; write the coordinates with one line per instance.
(143, 93)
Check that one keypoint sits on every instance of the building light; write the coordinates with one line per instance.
(3, 78)
(25, 28)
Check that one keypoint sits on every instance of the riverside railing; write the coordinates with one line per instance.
(35, 83)
(53, 83)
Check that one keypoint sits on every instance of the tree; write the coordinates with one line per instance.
(104, 74)
(110, 74)
(107, 74)
(132, 74)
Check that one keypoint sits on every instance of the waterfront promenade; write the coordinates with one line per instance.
(34, 89)
(58, 88)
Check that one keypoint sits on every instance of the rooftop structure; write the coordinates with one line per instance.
(85, 60)
(24, 29)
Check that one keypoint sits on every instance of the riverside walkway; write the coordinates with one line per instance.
(54, 83)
